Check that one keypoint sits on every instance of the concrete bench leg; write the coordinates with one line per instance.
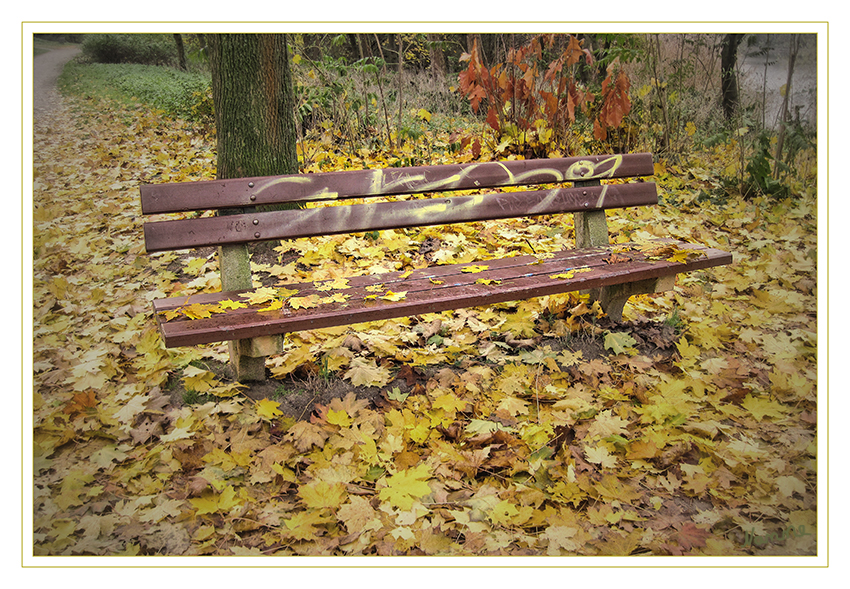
(613, 298)
(248, 356)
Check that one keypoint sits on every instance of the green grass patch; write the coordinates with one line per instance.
(182, 94)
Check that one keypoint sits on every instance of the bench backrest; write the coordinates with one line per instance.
(311, 219)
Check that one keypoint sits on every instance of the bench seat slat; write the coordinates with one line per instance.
(237, 193)
(518, 278)
(360, 218)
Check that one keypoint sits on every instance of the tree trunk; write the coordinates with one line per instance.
(728, 79)
(254, 105)
(181, 51)
(363, 47)
(660, 89)
(256, 136)
(471, 38)
(793, 49)
(438, 58)
(400, 85)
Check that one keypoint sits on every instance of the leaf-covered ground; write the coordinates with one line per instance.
(537, 428)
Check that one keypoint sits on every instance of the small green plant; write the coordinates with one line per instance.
(280, 392)
(674, 320)
(325, 371)
(191, 397)
(760, 178)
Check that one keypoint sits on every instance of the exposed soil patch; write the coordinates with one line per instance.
(305, 389)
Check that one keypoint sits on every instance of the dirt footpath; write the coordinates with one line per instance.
(46, 70)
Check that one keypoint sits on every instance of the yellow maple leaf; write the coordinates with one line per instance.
(513, 406)
(562, 537)
(307, 302)
(230, 304)
(435, 281)
(340, 418)
(607, 424)
(194, 266)
(569, 273)
(170, 314)
(449, 402)
(505, 513)
(336, 297)
(206, 504)
(198, 311)
(367, 373)
(336, 284)
(268, 409)
(178, 433)
(306, 435)
(406, 486)
(394, 296)
(602, 456)
(761, 407)
(790, 485)
(522, 323)
(260, 295)
(210, 503)
(323, 495)
(198, 379)
(487, 281)
(302, 526)
(619, 342)
(474, 268)
(358, 515)
(274, 306)
(686, 350)
(682, 256)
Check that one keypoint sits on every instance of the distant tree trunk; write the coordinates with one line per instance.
(660, 89)
(363, 46)
(256, 136)
(470, 42)
(438, 58)
(181, 52)
(400, 83)
(793, 49)
(728, 79)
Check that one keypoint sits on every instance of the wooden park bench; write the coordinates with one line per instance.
(254, 325)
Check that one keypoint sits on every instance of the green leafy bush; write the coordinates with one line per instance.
(130, 48)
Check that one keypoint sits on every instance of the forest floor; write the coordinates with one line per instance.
(535, 428)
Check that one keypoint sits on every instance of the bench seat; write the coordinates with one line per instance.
(427, 290)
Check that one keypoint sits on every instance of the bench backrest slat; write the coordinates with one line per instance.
(249, 192)
(357, 218)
